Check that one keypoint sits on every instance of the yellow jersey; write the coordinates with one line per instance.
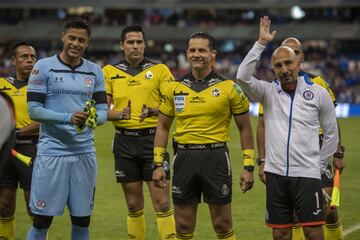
(142, 85)
(17, 91)
(203, 109)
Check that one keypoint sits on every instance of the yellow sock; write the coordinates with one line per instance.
(136, 225)
(184, 236)
(7, 228)
(229, 235)
(297, 232)
(333, 231)
(166, 224)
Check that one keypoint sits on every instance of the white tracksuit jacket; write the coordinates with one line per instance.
(292, 125)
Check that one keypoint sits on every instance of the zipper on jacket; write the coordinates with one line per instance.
(289, 134)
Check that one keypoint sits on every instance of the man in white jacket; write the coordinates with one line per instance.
(294, 110)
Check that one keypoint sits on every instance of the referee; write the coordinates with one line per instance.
(23, 57)
(134, 87)
(203, 103)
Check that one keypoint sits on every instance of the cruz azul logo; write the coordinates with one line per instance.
(179, 101)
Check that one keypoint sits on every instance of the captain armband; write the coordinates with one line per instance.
(159, 154)
(248, 158)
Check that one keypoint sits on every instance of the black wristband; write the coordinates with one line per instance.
(249, 168)
(157, 165)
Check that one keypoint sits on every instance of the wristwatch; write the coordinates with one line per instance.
(157, 165)
(259, 161)
(340, 154)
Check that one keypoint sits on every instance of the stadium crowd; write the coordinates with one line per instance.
(341, 71)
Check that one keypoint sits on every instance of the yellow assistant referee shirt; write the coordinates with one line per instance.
(17, 90)
(142, 85)
(203, 109)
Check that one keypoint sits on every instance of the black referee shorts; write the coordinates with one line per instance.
(134, 153)
(202, 170)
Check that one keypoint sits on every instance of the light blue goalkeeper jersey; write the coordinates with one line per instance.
(57, 90)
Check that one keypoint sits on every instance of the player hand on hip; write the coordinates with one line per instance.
(246, 180)
(159, 177)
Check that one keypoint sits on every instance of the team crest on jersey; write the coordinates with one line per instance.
(215, 92)
(179, 101)
(41, 204)
(88, 82)
(308, 95)
(149, 75)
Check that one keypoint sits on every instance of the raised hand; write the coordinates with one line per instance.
(264, 31)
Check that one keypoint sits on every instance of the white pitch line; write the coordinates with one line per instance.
(351, 229)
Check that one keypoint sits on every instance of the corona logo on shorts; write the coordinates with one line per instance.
(41, 204)
(179, 101)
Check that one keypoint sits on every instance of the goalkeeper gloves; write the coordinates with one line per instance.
(91, 120)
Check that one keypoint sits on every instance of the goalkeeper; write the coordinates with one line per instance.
(65, 168)
(203, 104)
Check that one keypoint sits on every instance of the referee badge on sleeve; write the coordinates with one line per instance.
(179, 101)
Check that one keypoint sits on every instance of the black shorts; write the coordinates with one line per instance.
(15, 172)
(134, 153)
(287, 194)
(204, 171)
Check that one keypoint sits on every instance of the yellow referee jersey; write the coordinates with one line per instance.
(317, 80)
(203, 109)
(142, 85)
(17, 91)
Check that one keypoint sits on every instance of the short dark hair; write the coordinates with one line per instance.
(203, 35)
(14, 47)
(133, 28)
(77, 22)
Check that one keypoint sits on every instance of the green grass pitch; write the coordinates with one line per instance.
(109, 218)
